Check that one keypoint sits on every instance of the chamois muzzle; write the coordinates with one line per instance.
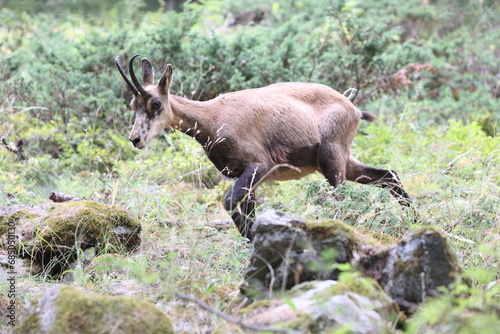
(135, 141)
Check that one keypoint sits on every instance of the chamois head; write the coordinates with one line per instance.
(150, 103)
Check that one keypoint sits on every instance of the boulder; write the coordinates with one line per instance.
(64, 309)
(18, 225)
(413, 268)
(52, 237)
(357, 306)
(288, 251)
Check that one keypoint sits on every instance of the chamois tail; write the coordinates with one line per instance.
(368, 116)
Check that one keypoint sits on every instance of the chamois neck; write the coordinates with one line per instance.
(191, 117)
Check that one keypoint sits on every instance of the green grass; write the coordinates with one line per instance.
(183, 251)
(61, 95)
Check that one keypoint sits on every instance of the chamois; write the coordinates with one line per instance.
(279, 132)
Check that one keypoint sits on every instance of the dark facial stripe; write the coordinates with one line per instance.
(153, 114)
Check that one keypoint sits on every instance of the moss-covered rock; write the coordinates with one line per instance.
(18, 226)
(90, 223)
(279, 244)
(69, 310)
(52, 236)
(369, 288)
(288, 250)
(334, 241)
(413, 268)
(357, 304)
(74, 225)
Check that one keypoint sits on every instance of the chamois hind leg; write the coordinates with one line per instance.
(361, 173)
(332, 164)
(239, 202)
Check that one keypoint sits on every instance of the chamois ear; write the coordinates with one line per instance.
(147, 72)
(166, 79)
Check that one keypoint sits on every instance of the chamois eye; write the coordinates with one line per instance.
(156, 105)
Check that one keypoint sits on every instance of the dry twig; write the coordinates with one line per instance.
(234, 320)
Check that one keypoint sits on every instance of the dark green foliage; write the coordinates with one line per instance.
(68, 70)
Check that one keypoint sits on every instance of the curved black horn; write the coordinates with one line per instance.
(134, 78)
(132, 87)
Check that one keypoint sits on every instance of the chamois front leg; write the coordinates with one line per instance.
(240, 200)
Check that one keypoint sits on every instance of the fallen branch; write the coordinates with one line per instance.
(234, 320)
(60, 197)
(470, 242)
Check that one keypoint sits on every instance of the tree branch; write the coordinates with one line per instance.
(60, 197)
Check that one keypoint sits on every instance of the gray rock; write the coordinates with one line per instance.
(280, 245)
(414, 268)
(324, 306)
(51, 237)
(288, 251)
(64, 309)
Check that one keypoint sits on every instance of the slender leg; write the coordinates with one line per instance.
(240, 200)
(358, 172)
(332, 165)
